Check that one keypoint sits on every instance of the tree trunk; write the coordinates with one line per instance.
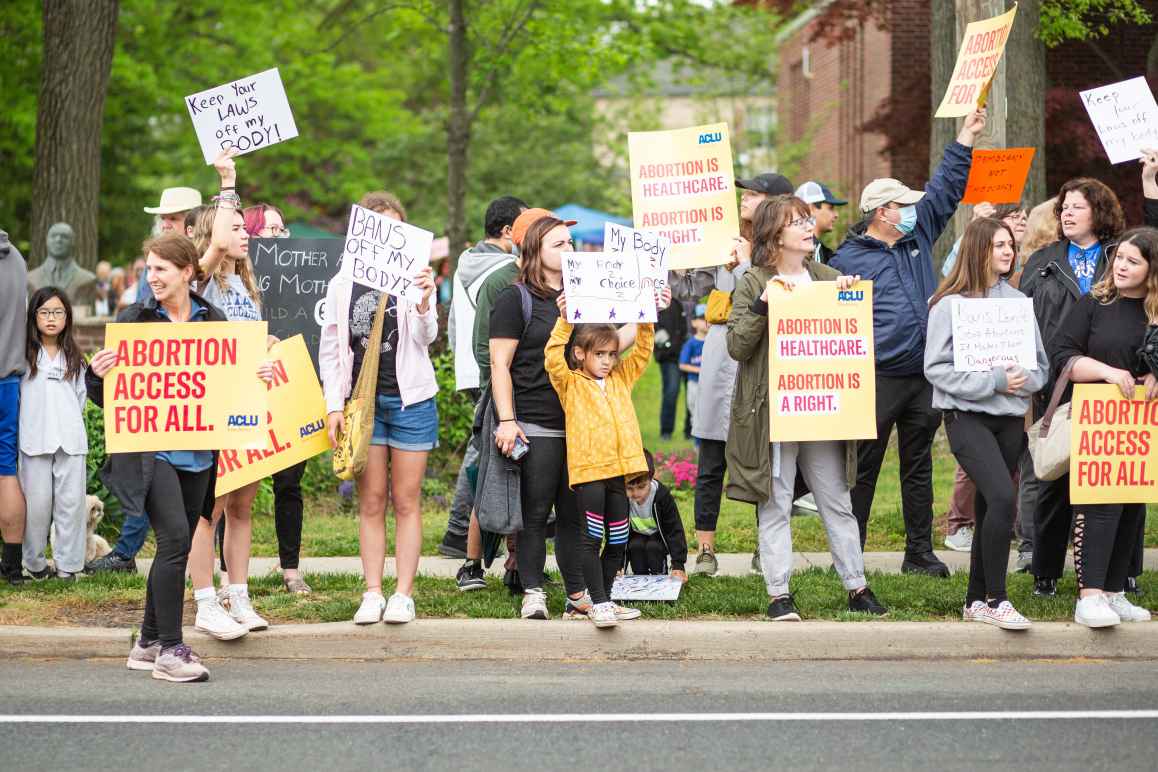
(457, 131)
(1025, 121)
(78, 55)
(942, 57)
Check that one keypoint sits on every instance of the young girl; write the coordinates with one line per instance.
(53, 444)
(603, 443)
(984, 414)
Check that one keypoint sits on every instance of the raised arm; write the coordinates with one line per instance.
(554, 357)
(227, 204)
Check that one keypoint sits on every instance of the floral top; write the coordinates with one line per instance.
(1085, 264)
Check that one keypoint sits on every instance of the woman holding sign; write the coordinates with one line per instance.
(174, 488)
(405, 425)
(984, 411)
(764, 473)
(1105, 330)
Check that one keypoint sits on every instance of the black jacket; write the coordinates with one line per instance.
(128, 476)
(671, 330)
(671, 528)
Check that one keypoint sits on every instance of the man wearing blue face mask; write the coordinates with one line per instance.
(893, 247)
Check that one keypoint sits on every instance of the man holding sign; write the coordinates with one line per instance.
(894, 249)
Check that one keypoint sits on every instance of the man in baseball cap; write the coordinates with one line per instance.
(893, 247)
(823, 205)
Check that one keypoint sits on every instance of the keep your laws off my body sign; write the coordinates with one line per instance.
(246, 114)
(385, 254)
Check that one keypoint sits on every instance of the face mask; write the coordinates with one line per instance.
(908, 220)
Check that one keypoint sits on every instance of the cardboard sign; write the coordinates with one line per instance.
(385, 254)
(998, 176)
(296, 420)
(247, 114)
(293, 275)
(993, 332)
(185, 386)
(607, 287)
(650, 249)
(682, 188)
(977, 60)
(636, 588)
(822, 370)
(1125, 117)
(1113, 446)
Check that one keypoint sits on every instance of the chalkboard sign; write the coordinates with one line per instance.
(292, 275)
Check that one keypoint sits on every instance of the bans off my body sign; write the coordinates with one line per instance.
(185, 386)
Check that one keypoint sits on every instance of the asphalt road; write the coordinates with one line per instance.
(434, 710)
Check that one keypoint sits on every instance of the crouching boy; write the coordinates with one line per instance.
(657, 533)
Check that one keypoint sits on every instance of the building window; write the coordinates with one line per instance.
(799, 102)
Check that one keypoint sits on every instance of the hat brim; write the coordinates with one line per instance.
(168, 209)
(569, 223)
(912, 197)
(749, 185)
(833, 201)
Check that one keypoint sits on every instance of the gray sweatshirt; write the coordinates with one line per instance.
(979, 392)
(13, 305)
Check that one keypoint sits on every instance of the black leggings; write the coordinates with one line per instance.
(978, 440)
(710, 484)
(1105, 536)
(543, 486)
(647, 555)
(603, 506)
(174, 503)
(287, 517)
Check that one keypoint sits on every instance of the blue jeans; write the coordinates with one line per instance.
(134, 531)
(672, 378)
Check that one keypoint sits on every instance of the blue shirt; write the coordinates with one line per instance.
(1085, 264)
(692, 354)
(188, 460)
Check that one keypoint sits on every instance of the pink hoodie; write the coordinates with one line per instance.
(416, 331)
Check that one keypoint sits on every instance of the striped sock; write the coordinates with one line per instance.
(595, 526)
(617, 532)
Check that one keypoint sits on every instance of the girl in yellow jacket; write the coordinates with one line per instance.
(603, 443)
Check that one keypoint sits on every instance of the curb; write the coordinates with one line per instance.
(518, 640)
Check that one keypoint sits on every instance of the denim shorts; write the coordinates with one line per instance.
(9, 424)
(413, 428)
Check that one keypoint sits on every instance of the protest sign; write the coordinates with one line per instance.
(296, 421)
(993, 332)
(821, 381)
(636, 588)
(682, 188)
(650, 249)
(977, 60)
(1113, 453)
(607, 287)
(998, 176)
(1125, 117)
(293, 275)
(247, 114)
(385, 254)
(185, 386)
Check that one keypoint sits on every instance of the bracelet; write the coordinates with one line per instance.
(230, 198)
(506, 420)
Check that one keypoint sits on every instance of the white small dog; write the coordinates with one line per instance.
(94, 546)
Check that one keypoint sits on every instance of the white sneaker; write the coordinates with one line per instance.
(535, 604)
(1095, 611)
(961, 541)
(399, 609)
(215, 621)
(603, 615)
(1126, 610)
(370, 612)
(241, 610)
(1004, 616)
(626, 614)
(972, 612)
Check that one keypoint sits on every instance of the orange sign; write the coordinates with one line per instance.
(998, 176)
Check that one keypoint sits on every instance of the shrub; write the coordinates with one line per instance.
(676, 470)
(455, 419)
(94, 426)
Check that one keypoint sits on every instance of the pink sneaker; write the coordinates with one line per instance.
(1004, 616)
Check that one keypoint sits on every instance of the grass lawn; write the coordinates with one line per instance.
(117, 600)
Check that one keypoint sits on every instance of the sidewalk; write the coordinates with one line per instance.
(735, 564)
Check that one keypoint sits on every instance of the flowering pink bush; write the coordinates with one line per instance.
(677, 471)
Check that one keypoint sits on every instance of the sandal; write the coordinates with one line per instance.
(296, 586)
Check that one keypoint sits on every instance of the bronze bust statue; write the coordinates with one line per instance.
(60, 268)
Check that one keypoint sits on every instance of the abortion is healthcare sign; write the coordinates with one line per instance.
(682, 188)
(822, 371)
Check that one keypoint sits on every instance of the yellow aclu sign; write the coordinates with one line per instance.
(1113, 446)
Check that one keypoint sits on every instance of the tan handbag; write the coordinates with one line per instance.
(358, 415)
(1049, 438)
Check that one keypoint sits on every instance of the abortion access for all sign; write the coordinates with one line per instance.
(822, 371)
(246, 114)
(682, 188)
(385, 254)
(1113, 453)
(185, 386)
(977, 60)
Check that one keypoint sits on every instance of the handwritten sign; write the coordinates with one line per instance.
(998, 176)
(385, 254)
(247, 114)
(296, 420)
(185, 386)
(1113, 446)
(822, 370)
(607, 287)
(293, 275)
(682, 188)
(635, 588)
(977, 60)
(993, 332)
(1125, 117)
(650, 249)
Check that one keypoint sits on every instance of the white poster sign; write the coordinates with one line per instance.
(634, 588)
(650, 249)
(385, 254)
(247, 114)
(992, 332)
(1125, 117)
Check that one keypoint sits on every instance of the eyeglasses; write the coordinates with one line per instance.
(803, 222)
(277, 233)
(51, 313)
